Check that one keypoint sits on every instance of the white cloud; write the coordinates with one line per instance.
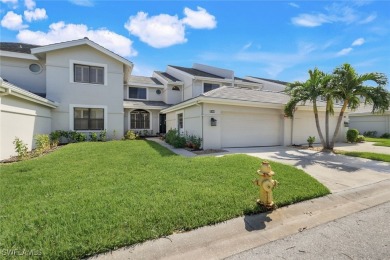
(13, 21)
(9, 1)
(200, 19)
(344, 51)
(246, 46)
(334, 13)
(309, 20)
(293, 5)
(157, 31)
(30, 4)
(37, 14)
(358, 42)
(82, 2)
(368, 19)
(60, 32)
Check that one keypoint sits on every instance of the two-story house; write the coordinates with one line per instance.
(81, 86)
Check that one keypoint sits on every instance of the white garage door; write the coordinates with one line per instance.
(244, 130)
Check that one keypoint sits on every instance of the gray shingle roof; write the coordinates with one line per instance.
(141, 104)
(273, 81)
(144, 80)
(17, 47)
(243, 94)
(365, 109)
(245, 80)
(196, 72)
(253, 95)
(168, 77)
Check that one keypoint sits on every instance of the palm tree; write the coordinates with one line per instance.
(349, 87)
(302, 92)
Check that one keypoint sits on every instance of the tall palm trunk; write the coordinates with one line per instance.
(336, 131)
(318, 123)
(327, 112)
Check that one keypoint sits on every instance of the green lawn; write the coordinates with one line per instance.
(379, 141)
(88, 198)
(368, 155)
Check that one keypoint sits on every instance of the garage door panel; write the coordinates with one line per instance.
(243, 130)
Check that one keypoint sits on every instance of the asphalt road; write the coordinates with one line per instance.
(363, 235)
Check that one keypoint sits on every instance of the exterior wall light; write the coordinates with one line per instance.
(213, 121)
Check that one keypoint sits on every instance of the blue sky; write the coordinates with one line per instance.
(272, 39)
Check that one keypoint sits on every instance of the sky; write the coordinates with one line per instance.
(270, 39)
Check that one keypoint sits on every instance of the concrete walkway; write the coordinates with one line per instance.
(356, 184)
(363, 147)
(179, 151)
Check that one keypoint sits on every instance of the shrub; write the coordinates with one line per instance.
(370, 133)
(93, 136)
(385, 135)
(311, 140)
(179, 142)
(20, 148)
(130, 135)
(55, 137)
(352, 135)
(103, 135)
(171, 135)
(360, 139)
(193, 141)
(42, 143)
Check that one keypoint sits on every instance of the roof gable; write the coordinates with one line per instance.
(84, 41)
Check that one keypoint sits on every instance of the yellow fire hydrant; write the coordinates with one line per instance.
(266, 185)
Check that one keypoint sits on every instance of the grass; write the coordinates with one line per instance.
(368, 155)
(88, 198)
(379, 141)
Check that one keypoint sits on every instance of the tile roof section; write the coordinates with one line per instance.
(252, 95)
(197, 73)
(142, 104)
(17, 47)
(168, 77)
(273, 81)
(144, 80)
(365, 109)
(244, 94)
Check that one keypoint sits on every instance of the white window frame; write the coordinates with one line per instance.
(150, 120)
(71, 116)
(86, 63)
(180, 130)
(128, 96)
(210, 83)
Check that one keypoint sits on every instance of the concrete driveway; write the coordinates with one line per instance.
(363, 147)
(337, 172)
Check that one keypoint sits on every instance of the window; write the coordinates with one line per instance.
(209, 86)
(139, 119)
(180, 121)
(35, 68)
(88, 74)
(175, 88)
(88, 118)
(137, 93)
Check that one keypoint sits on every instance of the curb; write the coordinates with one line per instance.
(247, 232)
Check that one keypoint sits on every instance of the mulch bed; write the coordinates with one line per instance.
(30, 155)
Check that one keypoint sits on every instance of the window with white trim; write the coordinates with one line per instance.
(209, 86)
(137, 93)
(180, 121)
(88, 74)
(139, 119)
(88, 118)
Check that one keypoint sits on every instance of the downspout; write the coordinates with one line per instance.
(201, 118)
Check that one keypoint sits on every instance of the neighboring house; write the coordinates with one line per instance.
(364, 120)
(227, 111)
(81, 86)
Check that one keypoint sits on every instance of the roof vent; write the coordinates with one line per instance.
(86, 38)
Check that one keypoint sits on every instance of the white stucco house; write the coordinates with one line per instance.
(81, 86)
(364, 120)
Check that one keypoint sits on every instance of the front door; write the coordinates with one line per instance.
(163, 126)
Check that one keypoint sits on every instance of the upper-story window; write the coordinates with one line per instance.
(209, 86)
(137, 93)
(88, 74)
